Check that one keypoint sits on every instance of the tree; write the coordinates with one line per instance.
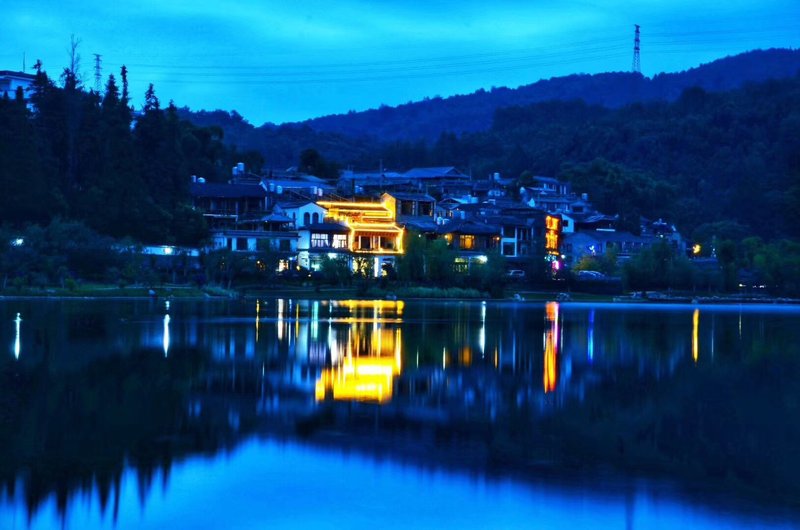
(312, 162)
(411, 265)
(336, 271)
(26, 196)
(491, 274)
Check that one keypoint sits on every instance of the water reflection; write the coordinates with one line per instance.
(166, 334)
(17, 324)
(360, 378)
(551, 336)
(104, 386)
(363, 365)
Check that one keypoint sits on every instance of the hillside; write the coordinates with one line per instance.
(351, 138)
(474, 112)
(280, 146)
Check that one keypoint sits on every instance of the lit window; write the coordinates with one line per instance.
(466, 242)
(339, 241)
(319, 241)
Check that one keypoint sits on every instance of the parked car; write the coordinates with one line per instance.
(590, 275)
(515, 274)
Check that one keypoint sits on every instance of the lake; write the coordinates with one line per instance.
(282, 413)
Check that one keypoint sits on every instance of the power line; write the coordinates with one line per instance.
(576, 52)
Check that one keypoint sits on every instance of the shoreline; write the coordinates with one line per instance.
(181, 292)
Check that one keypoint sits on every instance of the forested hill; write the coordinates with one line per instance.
(348, 138)
(473, 112)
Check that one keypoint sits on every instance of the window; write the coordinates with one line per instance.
(315, 218)
(285, 245)
(306, 219)
(339, 241)
(508, 249)
(319, 240)
(466, 242)
(241, 243)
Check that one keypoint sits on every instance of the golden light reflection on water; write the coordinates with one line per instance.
(363, 375)
(365, 365)
(551, 336)
(377, 306)
(695, 334)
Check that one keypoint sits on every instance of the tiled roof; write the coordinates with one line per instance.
(434, 172)
(468, 227)
(327, 227)
(226, 191)
(412, 196)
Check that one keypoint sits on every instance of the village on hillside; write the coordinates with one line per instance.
(367, 216)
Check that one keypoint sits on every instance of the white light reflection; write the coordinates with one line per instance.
(281, 302)
(315, 320)
(590, 338)
(166, 335)
(17, 322)
(740, 324)
(258, 316)
(482, 334)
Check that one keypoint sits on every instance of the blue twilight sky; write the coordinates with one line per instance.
(287, 61)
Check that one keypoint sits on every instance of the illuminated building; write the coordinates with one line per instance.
(552, 240)
(470, 240)
(239, 219)
(363, 233)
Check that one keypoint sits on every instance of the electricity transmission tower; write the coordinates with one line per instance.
(637, 66)
(98, 78)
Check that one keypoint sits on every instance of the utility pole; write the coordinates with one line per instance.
(637, 66)
(98, 77)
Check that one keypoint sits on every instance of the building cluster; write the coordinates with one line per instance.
(366, 218)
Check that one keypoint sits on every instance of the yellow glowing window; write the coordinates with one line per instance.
(466, 242)
(551, 241)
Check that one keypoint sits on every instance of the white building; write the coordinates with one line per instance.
(10, 81)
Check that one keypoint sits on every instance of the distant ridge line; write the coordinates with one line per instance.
(472, 112)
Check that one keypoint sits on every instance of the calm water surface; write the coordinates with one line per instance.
(347, 414)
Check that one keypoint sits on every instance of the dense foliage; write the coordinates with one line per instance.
(89, 157)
